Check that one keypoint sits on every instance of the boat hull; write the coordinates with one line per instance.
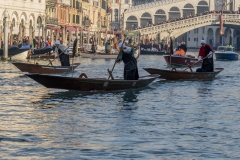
(226, 56)
(44, 69)
(183, 75)
(180, 61)
(144, 52)
(98, 55)
(90, 84)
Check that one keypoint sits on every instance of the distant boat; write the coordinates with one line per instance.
(149, 52)
(44, 69)
(226, 53)
(181, 61)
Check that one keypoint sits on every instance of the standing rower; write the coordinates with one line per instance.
(130, 63)
(62, 53)
(205, 52)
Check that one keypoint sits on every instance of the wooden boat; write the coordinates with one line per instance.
(146, 52)
(103, 55)
(44, 69)
(10, 50)
(226, 53)
(181, 61)
(183, 75)
(45, 56)
(91, 84)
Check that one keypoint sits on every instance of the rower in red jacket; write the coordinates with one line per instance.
(205, 51)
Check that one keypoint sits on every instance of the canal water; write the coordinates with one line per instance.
(166, 120)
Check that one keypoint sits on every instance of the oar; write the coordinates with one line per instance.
(50, 62)
(94, 55)
(110, 72)
(196, 63)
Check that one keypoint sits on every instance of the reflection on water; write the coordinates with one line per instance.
(166, 120)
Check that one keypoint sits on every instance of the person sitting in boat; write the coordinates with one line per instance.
(62, 53)
(130, 63)
(182, 49)
(205, 53)
(229, 45)
(107, 46)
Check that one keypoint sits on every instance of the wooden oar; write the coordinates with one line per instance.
(110, 72)
(196, 63)
(94, 55)
(50, 62)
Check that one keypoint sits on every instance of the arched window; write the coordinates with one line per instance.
(116, 15)
(202, 7)
(131, 22)
(188, 6)
(203, 3)
(174, 9)
(13, 22)
(174, 13)
(160, 11)
(188, 10)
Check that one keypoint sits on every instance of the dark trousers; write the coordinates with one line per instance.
(207, 66)
(131, 71)
(64, 58)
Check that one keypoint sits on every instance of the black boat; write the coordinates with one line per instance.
(42, 50)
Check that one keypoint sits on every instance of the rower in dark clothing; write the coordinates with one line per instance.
(130, 63)
(61, 51)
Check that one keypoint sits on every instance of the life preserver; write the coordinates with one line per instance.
(83, 75)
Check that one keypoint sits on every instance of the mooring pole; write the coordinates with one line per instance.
(5, 55)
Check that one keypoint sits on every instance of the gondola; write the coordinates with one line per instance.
(183, 75)
(42, 50)
(91, 84)
(15, 49)
(44, 69)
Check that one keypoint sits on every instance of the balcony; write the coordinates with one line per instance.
(51, 21)
(79, 10)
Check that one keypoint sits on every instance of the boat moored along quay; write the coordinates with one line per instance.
(44, 69)
(91, 84)
(183, 75)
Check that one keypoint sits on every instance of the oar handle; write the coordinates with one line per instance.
(196, 62)
(58, 55)
(116, 59)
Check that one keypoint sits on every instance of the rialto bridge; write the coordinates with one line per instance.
(177, 28)
(176, 17)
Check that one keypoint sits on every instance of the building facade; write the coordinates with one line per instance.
(25, 18)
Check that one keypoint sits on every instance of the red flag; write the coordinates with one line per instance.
(221, 24)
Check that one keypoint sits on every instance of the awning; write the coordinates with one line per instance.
(55, 29)
(71, 28)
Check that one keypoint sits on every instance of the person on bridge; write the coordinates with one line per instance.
(62, 53)
(206, 54)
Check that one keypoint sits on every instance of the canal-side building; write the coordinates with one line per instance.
(25, 18)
